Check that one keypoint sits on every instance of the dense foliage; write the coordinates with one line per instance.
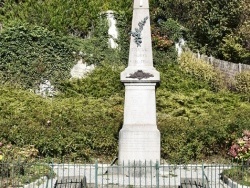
(84, 123)
(29, 54)
(188, 115)
(197, 115)
(71, 127)
(218, 28)
(78, 17)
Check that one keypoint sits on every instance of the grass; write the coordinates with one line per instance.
(20, 174)
(239, 174)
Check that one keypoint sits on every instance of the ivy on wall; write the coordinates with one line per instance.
(31, 53)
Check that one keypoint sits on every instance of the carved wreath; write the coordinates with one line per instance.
(140, 75)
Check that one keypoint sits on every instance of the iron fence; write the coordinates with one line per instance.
(54, 175)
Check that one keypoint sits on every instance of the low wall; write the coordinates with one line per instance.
(228, 68)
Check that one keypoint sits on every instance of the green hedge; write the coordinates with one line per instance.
(195, 122)
(103, 82)
(80, 123)
(70, 127)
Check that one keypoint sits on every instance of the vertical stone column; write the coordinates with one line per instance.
(139, 138)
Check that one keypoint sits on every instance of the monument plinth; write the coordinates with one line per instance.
(139, 138)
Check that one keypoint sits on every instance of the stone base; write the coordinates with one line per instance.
(139, 145)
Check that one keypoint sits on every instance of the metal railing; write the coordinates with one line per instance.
(49, 175)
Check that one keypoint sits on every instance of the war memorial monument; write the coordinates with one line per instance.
(139, 138)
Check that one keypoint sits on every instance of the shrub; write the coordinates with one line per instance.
(185, 139)
(104, 81)
(201, 70)
(173, 131)
(190, 125)
(78, 18)
(240, 148)
(204, 30)
(233, 49)
(243, 82)
(78, 127)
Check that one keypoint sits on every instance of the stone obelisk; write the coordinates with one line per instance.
(139, 138)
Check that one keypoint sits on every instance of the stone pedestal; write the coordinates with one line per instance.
(139, 139)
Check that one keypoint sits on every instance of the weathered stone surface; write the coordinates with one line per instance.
(113, 32)
(81, 69)
(46, 89)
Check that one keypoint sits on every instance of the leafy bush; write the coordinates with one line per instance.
(207, 23)
(233, 49)
(62, 16)
(104, 81)
(165, 33)
(192, 128)
(175, 79)
(243, 82)
(172, 29)
(78, 18)
(190, 125)
(72, 127)
(240, 149)
(201, 70)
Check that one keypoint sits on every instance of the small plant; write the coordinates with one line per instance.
(18, 166)
(241, 148)
(237, 174)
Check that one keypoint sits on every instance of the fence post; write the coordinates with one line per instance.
(51, 175)
(203, 174)
(239, 67)
(157, 174)
(96, 174)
